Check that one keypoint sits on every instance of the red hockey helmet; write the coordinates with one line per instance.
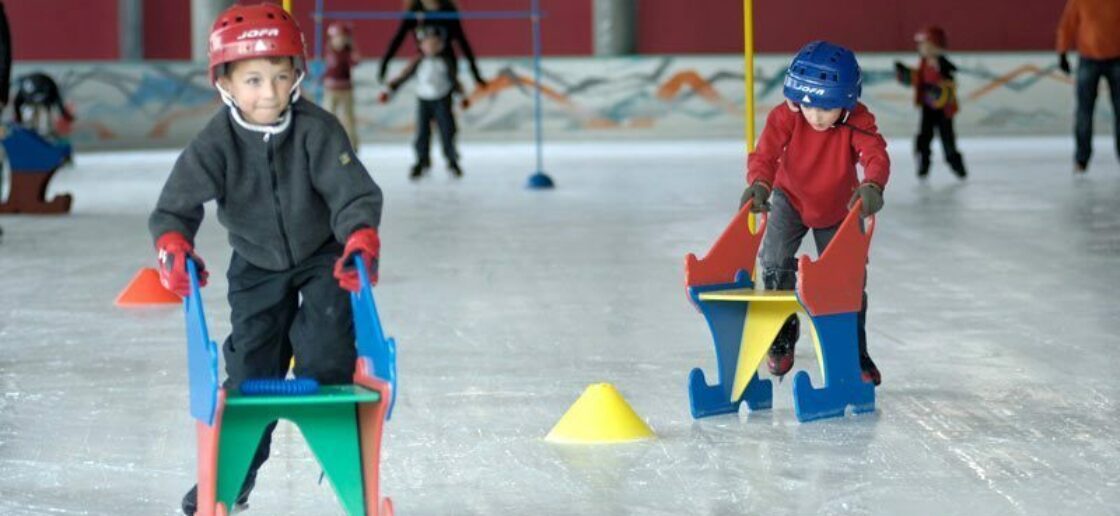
(932, 34)
(339, 28)
(249, 31)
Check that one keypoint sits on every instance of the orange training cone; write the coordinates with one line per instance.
(145, 290)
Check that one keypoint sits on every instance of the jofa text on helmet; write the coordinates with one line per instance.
(801, 87)
(259, 33)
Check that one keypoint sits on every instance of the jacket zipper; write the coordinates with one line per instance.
(276, 202)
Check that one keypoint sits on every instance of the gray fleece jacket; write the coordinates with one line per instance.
(280, 196)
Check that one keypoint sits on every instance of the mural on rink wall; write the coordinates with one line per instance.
(164, 104)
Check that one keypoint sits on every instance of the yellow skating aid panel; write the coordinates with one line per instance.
(750, 294)
(764, 321)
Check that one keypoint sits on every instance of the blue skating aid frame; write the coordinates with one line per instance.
(30, 152)
(220, 417)
(726, 322)
(829, 291)
(373, 346)
(34, 160)
(837, 336)
(202, 355)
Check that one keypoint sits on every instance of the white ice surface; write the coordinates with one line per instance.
(993, 317)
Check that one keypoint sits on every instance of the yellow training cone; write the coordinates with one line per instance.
(599, 416)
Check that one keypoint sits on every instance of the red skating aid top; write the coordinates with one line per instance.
(817, 169)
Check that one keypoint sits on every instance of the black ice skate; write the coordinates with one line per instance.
(781, 351)
(868, 371)
(956, 162)
(417, 170)
(923, 166)
(456, 172)
(190, 500)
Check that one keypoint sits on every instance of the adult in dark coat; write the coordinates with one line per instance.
(450, 26)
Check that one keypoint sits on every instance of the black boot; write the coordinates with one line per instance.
(923, 166)
(868, 371)
(190, 500)
(781, 351)
(956, 162)
(417, 170)
(453, 167)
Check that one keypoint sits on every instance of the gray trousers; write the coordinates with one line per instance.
(784, 232)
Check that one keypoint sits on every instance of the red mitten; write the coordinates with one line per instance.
(366, 242)
(174, 249)
(383, 97)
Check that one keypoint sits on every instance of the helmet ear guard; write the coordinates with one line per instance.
(228, 99)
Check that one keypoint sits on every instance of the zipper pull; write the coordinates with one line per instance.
(266, 137)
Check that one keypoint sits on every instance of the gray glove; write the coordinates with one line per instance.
(760, 194)
(872, 197)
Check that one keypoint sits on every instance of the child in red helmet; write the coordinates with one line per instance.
(935, 92)
(341, 57)
(290, 191)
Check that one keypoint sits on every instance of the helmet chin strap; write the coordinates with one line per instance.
(278, 127)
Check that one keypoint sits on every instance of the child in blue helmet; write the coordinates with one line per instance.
(803, 172)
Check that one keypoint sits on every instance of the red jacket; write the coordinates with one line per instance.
(339, 64)
(934, 85)
(817, 169)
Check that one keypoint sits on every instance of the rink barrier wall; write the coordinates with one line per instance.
(165, 103)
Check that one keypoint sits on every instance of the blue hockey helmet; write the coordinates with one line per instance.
(823, 75)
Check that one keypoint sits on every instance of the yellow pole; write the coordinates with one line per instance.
(748, 68)
(288, 6)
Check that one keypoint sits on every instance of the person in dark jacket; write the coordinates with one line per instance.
(437, 82)
(40, 95)
(290, 191)
(450, 26)
(935, 92)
